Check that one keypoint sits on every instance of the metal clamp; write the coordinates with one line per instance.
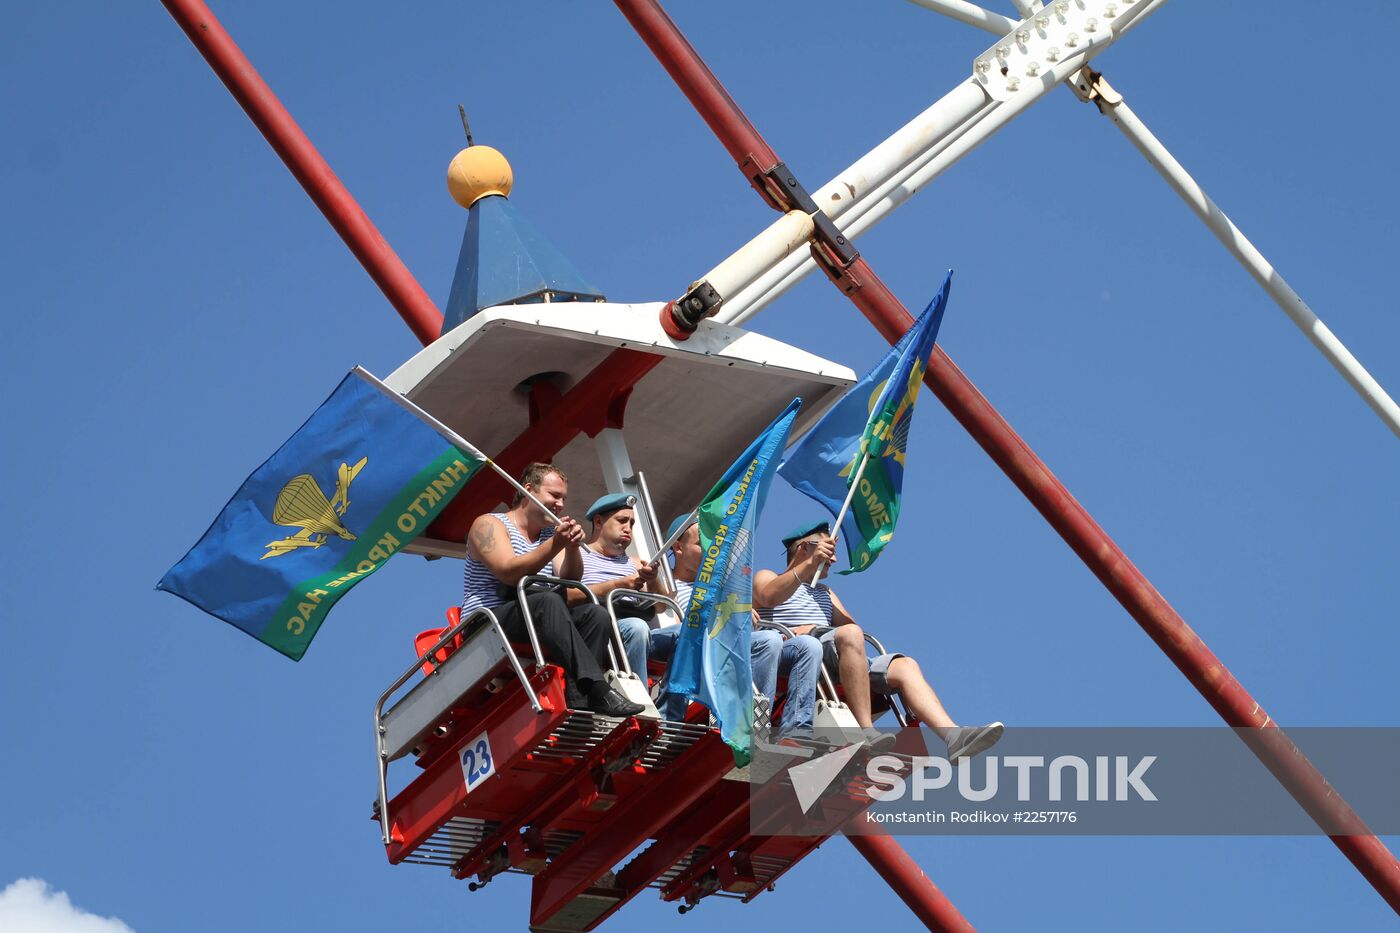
(831, 249)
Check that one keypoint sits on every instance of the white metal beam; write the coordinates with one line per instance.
(920, 151)
(1111, 104)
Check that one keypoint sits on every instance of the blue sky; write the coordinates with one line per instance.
(176, 306)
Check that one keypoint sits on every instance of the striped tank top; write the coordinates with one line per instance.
(683, 591)
(599, 568)
(479, 586)
(810, 605)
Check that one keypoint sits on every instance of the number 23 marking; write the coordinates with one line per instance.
(477, 763)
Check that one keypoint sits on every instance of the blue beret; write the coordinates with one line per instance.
(679, 522)
(802, 531)
(610, 503)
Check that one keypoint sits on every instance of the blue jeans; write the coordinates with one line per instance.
(771, 656)
(635, 635)
(798, 659)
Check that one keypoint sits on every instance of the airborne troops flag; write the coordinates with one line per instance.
(364, 476)
(852, 462)
(712, 662)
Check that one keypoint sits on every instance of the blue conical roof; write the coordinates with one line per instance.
(505, 260)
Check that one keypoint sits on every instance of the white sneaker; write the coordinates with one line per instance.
(972, 740)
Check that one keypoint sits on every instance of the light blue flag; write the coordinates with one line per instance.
(711, 662)
(359, 480)
(873, 416)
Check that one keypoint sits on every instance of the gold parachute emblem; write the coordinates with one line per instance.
(302, 504)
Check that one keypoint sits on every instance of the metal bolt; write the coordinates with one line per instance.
(1032, 69)
(1072, 39)
(982, 66)
(1003, 51)
(1023, 36)
(1042, 21)
(1091, 24)
(1062, 7)
(1052, 54)
(1111, 10)
(1013, 83)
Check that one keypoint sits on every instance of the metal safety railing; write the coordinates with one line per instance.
(430, 658)
(640, 597)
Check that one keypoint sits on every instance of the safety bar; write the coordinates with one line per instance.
(900, 715)
(825, 683)
(525, 606)
(430, 657)
(640, 596)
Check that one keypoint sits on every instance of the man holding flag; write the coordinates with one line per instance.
(852, 462)
(712, 659)
(790, 599)
(364, 476)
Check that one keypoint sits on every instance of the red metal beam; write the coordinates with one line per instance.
(577, 411)
(908, 880)
(635, 819)
(287, 139)
(1030, 474)
(432, 798)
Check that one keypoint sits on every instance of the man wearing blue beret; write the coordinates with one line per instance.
(789, 597)
(607, 566)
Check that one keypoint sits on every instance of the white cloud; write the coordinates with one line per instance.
(29, 905)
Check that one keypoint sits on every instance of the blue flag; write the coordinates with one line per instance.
(874, 417)
(711, 662)
(359, 480)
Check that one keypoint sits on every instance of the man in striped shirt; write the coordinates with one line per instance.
(502, 548)
(607, 566)
(790, 598)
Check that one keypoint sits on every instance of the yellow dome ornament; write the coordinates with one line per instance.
(476, 172)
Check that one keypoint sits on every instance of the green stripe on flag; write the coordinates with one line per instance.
(406, 516)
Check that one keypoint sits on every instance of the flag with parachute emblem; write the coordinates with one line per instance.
(874, 418)
(359, 480)
(711, 662)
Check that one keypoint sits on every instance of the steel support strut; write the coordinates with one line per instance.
(908, 880)
(289, 142)
(1084, 536)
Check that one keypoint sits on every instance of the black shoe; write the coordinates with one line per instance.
(608, 702)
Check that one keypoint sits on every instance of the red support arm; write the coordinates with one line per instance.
(1030, 474)
(282, 132)
(908, 880)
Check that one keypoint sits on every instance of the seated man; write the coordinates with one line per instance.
(607, 567)
(771, 655)
(789, 598)
(503, 547)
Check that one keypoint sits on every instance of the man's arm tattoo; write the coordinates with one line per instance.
(484, 539)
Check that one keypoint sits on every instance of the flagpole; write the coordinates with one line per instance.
(453, 437)
(654, 525)
(661, 551)
(845, 507)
